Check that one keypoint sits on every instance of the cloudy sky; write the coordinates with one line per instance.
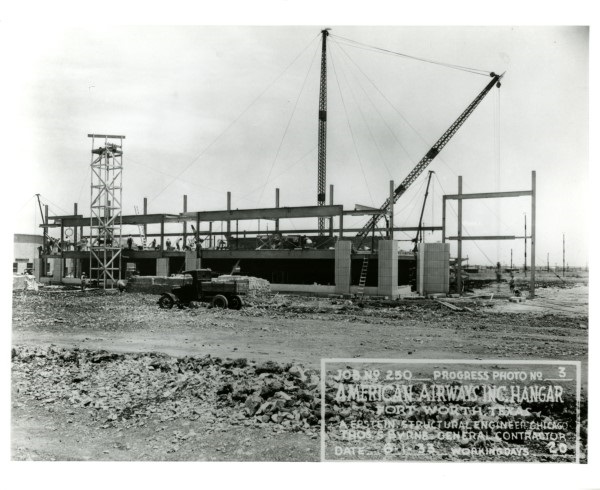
(207, 110)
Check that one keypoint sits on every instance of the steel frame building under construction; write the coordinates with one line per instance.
(99, 247)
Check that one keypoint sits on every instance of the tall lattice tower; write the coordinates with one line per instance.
(322, 143)
(106, 219)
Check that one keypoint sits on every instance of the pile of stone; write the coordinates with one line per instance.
(24, 282)
(285, 395)
(131, 388)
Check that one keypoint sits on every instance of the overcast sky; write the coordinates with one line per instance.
(207, 110)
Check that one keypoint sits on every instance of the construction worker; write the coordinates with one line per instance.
(511, 283)
(178, 243)
(498, 272)
(168, 242)
(83, 281)
(129, 242)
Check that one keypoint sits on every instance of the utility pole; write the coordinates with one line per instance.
(547, 262)
(563, 255)
(322, 155)
(511, 262)
(525, 236)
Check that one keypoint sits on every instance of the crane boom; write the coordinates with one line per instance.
(429, 156)
(419, 229)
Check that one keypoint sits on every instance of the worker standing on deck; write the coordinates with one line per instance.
(129, 242)
(83, 281)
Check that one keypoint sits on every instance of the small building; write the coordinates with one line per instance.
(26, 248)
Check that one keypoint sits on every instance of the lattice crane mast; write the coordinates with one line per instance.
(426, 160)
(322, 154)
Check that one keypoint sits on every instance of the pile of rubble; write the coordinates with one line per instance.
(131, 388)
(24, 282)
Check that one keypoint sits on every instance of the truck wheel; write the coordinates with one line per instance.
(166, 302)
(219, 301)
(235, 302)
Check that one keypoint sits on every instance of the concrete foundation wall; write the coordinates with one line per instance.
(387, 273)
(37, 268)
(318, 290)
(162, 267)
(57, 269)
(191, 261)
(433, 268)
(343, 251)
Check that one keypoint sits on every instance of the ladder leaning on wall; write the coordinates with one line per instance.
(363, 277)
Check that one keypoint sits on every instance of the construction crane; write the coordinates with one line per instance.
(426, 160)
(322, 153)
(419, 236)
(47, 238)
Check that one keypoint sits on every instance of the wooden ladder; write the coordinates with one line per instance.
(363, 277)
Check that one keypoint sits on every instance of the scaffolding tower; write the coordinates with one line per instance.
(105, 209)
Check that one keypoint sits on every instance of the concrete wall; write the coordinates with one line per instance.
(37, 268)
(192, 262)
(57, 269)
(343, 249)
(387, 273)
(318, 290)
(162, 267)
(433, 268)
(26, 247)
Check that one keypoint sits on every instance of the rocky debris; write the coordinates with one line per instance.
(269, 367)
(129, 388)
(25, 283)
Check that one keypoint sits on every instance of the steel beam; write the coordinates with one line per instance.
(483, 237)
(133, 219)
(303, 231)
(266, 213)
(487, 195)
(105, 136)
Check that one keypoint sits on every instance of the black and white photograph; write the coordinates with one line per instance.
(300, 243)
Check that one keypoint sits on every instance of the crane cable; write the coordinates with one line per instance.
(220, 135)
(351, 132)
(413, 161)
(360, 45)
(285, 131)
(377, 146)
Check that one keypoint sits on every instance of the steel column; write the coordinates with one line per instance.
(459, 251)
(277, 205)
(185, 222)
(532, 284)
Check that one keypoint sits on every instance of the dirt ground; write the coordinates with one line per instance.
(278, 328)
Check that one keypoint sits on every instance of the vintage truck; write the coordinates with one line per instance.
(222, 294)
